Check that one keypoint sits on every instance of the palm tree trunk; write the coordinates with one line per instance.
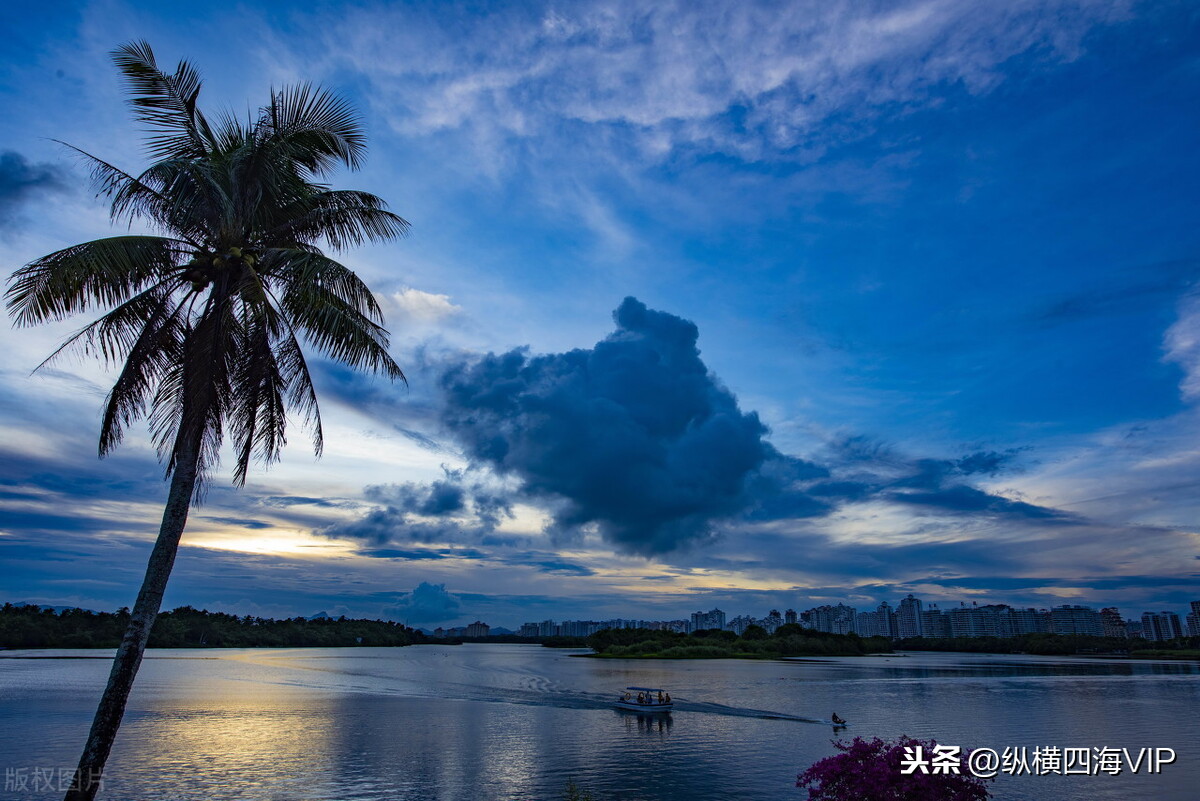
(89, 774)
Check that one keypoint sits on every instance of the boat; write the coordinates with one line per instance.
(628, 699)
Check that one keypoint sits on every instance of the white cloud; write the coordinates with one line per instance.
(795, 74)
(412, 306)
(1182, 346)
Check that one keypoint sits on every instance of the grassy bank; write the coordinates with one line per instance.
(755, 643)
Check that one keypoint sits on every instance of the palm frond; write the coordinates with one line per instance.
(258, 419)
(207, 321)
(166, 104)
(338, 329)
(112, 337)
(344, 218)
(302, 395)
(151, 356)
(298, 269)
(104, 272)
(192, 203)
(313, 128)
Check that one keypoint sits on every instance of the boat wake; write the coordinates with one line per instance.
(742, 712)
(527, 689)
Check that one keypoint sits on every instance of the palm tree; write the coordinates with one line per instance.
(206, 319)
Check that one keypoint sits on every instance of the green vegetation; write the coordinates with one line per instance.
(1059, 644)
(755, 643)
(185, 627)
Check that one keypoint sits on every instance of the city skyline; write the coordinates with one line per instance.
(703, 306)
(1057, 620)
(908, 619)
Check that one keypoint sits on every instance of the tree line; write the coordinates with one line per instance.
(26, 626)
(754, 643)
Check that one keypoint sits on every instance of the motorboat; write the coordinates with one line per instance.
(645, 699)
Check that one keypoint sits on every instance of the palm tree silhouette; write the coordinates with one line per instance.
(206, 319)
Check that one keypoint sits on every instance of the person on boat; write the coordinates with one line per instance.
(641, 698)
(668, 698)
(660, 698)
(836, 720)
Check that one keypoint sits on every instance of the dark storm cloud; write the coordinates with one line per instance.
(874, 470)
(783, 488)
(556, 566)
(424, 553)
(449, 510)
(962, 499)
(634, 436)
(988, 463)
(438, 499)
(388, 524)
(21, 180)
(427, 603)
(540, 561)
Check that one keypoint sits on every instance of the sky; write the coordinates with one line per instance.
(757, 305)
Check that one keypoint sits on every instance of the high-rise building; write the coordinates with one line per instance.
(1161, 627)
(1029, 621)
(974, 621)
(908, 618)
(578, 628)
(547, 628)
(934, 623)
(866, 624)
(739, 624)
(789, 617)
(1112, 623)
(1193, 620)
(886, 620)
(838, 619)
(1075, 619)
(772, 621)
(478, 629)
(713, 619)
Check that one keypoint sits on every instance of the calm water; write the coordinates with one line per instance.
(484, 722)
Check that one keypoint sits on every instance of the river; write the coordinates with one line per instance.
(480, 722)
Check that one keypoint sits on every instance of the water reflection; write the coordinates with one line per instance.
(659, 724)
(517, 722)
(923, 665)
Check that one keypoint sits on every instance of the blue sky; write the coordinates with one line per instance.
(766, 305)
